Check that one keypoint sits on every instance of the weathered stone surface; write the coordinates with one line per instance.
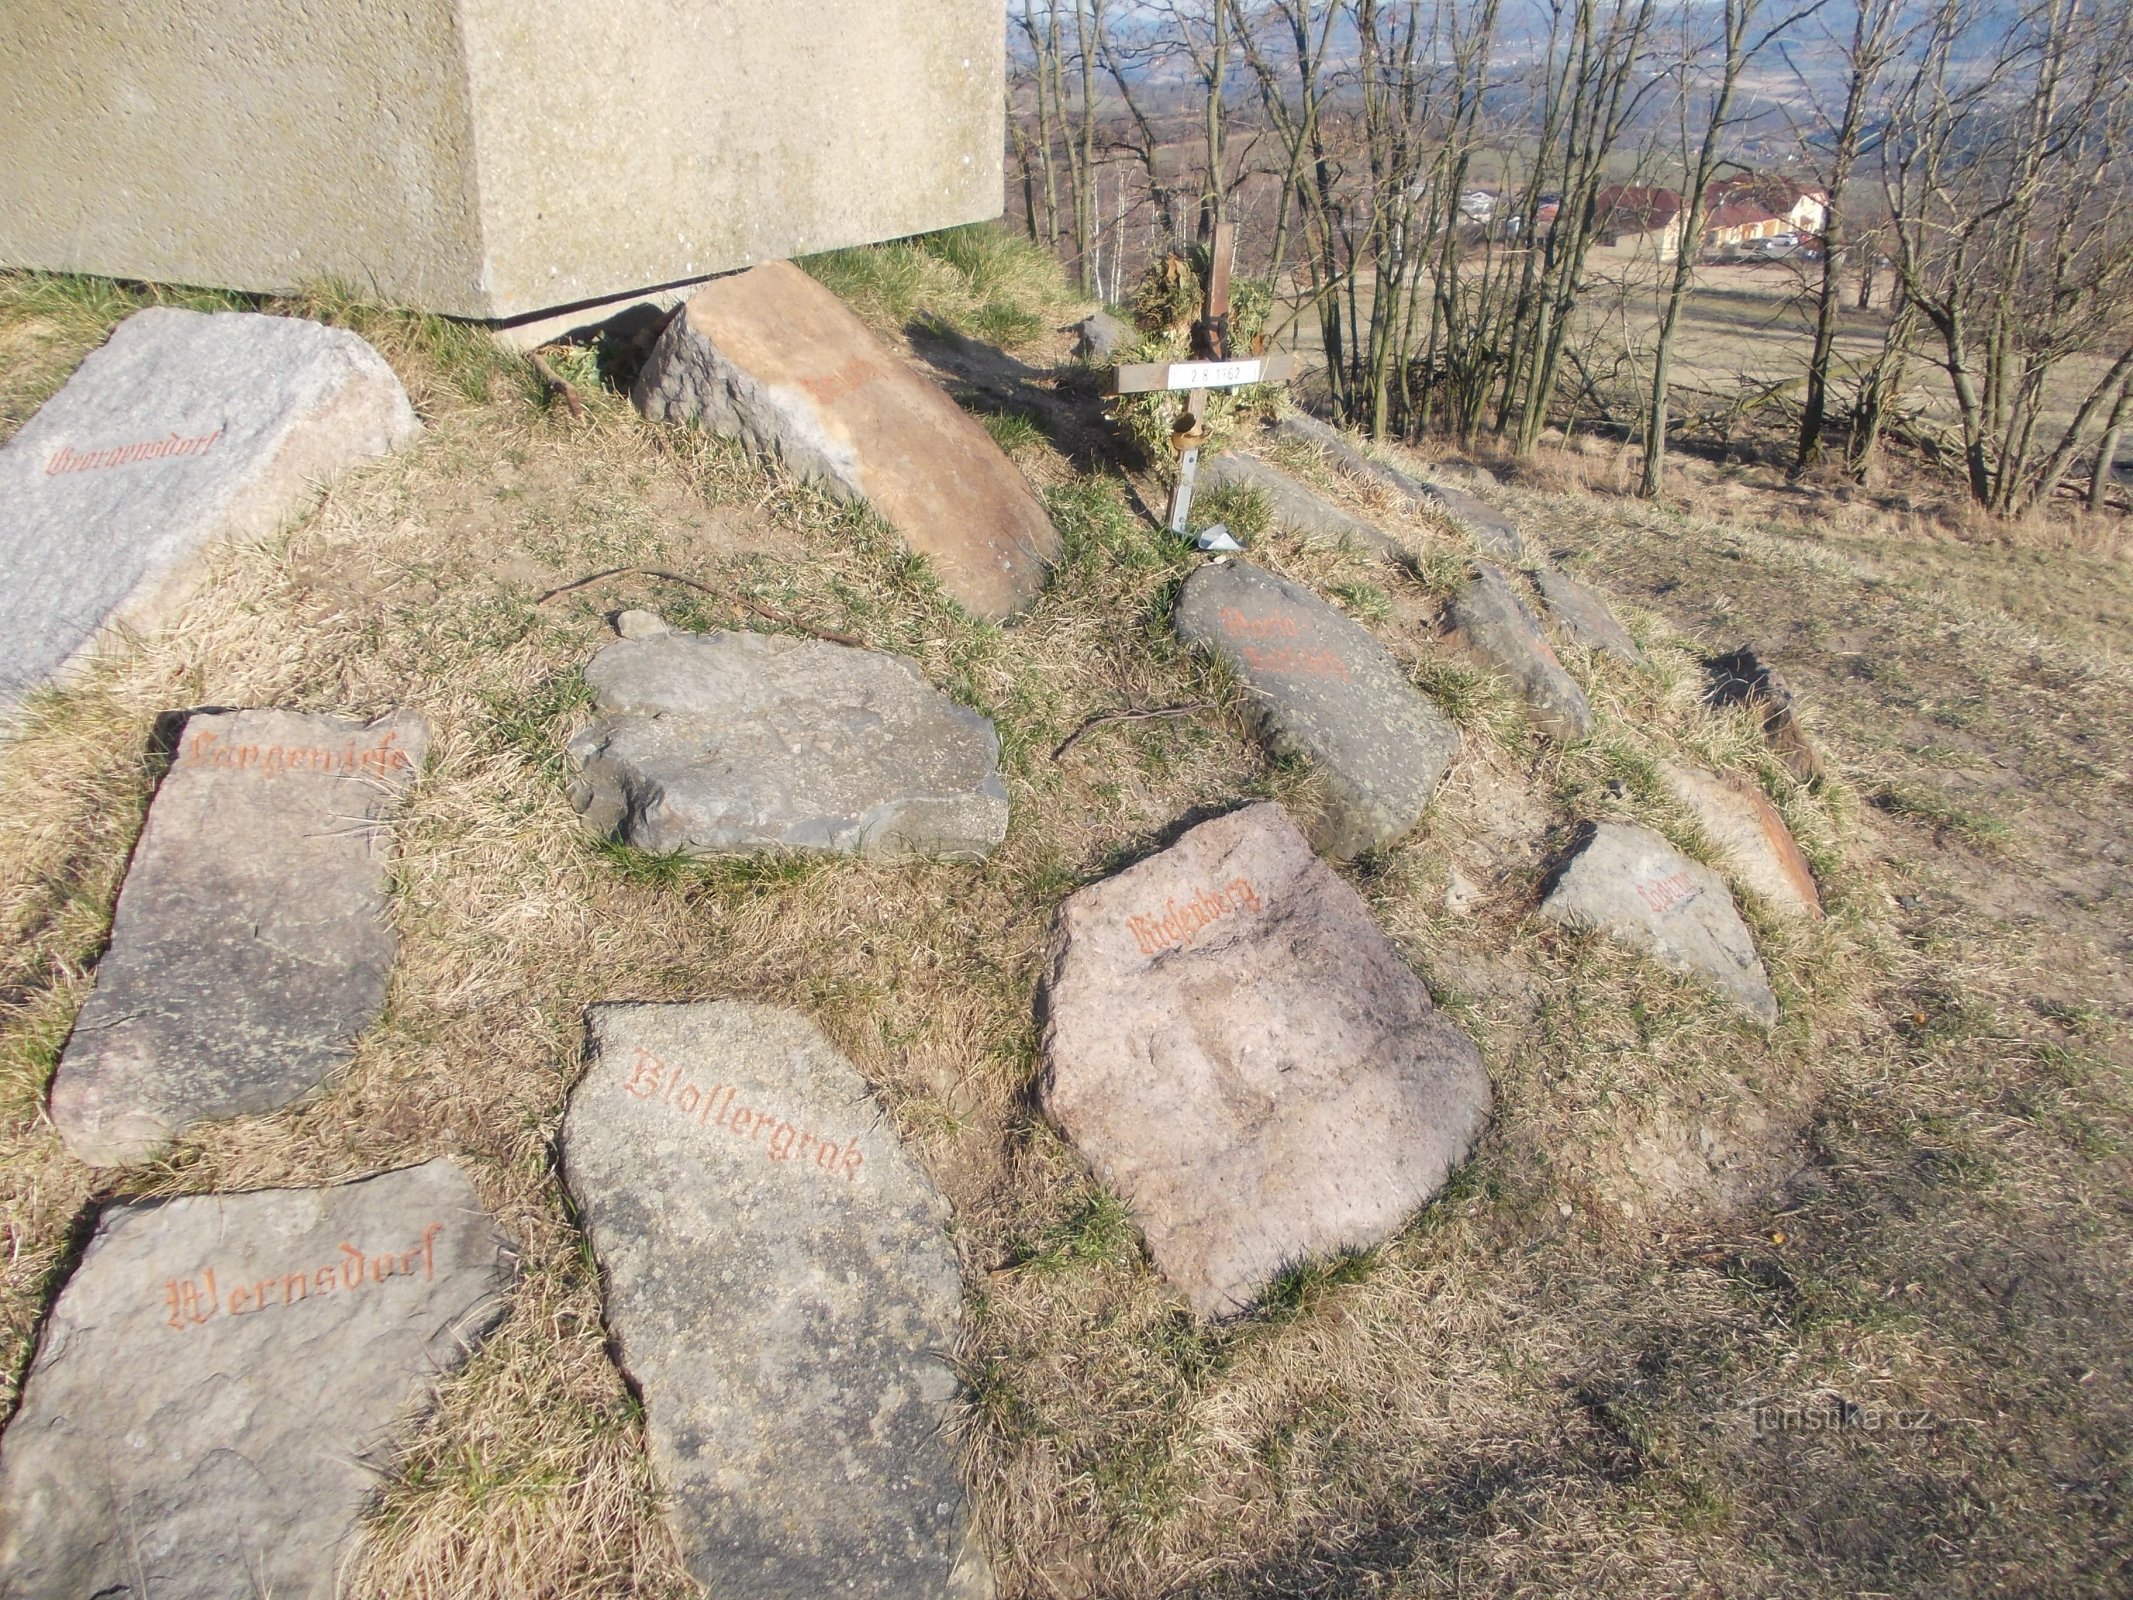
(1292, 505)
(1585, 617)
(1100, 336)
(782, 1293)
(212, 1398)
(251, 943)
(1494, 531)
(1242, 1056)
(1495, 624)
(773, 359)
(719, 743)
(1323, 688)
(639, 624)
(1631, 884)
(488, 160)
(1752, 839)
(184, 429)
(1744, 678)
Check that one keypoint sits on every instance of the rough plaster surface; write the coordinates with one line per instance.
(185, 428)
(214, 1392)
(251, 943)
(729, 742)
(487, 158)
(1322, 687)
(1244, 1058)
(781, 1291)
(773, 359)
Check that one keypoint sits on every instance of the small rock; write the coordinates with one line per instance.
(185, 429)
(1634, 886)
(252, 940)
(773, 359)
(1743, 678)
(781, 1292)
(1496, 625)
(1585, 617)
(1244, 1058)
(722, 743)
(1293, 506)
(1488, 527)
(1751, 837)
(214, 1393)
(1462, 896)
(635, 624)
(1100, 336)
(1322, 687)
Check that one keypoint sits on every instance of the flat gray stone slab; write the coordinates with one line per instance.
(184, 429)
(1751, 837)
(1493, 530)
(723, 743)
(1494, 622)
(781, 1292)
(773, 359)
(1293, 505)
(251, 942)
(1243, 1057)
(211, 1399)
(1100, 336)
(1587, 620)
(1322, 687)
(1634, 886)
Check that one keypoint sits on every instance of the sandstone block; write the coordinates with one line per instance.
(1752, 839)
(482, 160)
(184, 429)
(773, 359)
(721, 743)
(782, 1294)
(251, 942)
(1244, 1058)
(1322, 687)
(1584, 616)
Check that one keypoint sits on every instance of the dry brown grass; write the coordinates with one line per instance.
(1539, 1387)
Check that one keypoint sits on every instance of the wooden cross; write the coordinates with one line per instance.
(1211, 368)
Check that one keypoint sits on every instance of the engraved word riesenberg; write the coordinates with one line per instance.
(1179, 925)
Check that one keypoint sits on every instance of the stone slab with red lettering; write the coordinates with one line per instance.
(1498, 628)
(1320, 686)
(251, 943)
(1634, 886)
(722, 743)
(185, 428)
(773, 359)
(1243, 1057)
(214, 1392)
(1753, 842)
(782, 1292)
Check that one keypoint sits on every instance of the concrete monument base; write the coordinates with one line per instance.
(490, 159)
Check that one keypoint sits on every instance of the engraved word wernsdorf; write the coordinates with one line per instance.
(779, 1140)
(68, 459)
(1178, 925)
(192, 1301)
(210, 748)
(1664, 894)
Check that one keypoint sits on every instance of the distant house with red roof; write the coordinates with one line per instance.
(1800, 205)
(1638, 218)
(1734, 223)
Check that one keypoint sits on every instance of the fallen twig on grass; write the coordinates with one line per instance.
(557, 384)
(741, 600)
(1109, 717)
